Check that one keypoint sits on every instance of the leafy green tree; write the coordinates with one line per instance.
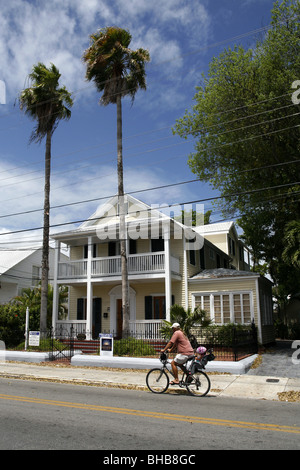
(47, 104)
(247, 137)
(12, 325)
(117, 71)
(291, 252)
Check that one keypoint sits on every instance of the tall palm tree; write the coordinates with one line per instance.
(117, 72)
(47, 104)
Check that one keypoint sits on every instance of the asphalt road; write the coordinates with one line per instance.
(39, 415)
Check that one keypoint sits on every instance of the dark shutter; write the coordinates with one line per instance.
(97, 303)
(148, 307)
(111, 248)
(80, 309)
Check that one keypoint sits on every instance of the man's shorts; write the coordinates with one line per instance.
(181, 358)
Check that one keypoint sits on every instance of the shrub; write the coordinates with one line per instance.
(133, 347)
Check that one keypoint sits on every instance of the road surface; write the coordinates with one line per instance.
(39, 415)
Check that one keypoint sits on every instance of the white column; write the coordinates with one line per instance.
(185, 275)
(168, 288)
(89, 293)
(55, 284)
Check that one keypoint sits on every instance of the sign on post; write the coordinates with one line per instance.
(106, 344)
(34, 338)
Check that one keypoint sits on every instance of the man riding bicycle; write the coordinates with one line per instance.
(184, 350)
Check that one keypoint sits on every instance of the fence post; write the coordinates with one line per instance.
(235, 343)
(254, 333)
(26, 327)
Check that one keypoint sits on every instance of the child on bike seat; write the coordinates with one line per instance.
(200, 353)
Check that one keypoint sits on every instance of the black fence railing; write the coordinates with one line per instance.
(229, 342)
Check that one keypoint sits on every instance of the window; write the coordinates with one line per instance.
(155, 307)
(157, 244)
(114, 248)
(226, 308)
(202, 258)
(35, 275)
(192, 254)
(231, 246)
(85, 251)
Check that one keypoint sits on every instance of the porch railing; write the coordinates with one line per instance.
(149, 329)
(111, 266)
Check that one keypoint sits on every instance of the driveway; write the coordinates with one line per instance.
(280, 360)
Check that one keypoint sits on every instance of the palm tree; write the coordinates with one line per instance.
(186, 319)
(117, 72)
(47, 104)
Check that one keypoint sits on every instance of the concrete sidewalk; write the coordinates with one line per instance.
(229, 385)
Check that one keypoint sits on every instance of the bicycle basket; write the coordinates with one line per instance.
(163, 357)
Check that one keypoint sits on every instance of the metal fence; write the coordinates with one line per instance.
(230, 343)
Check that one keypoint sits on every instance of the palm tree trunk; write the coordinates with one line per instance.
(45, 252)
(122, 234)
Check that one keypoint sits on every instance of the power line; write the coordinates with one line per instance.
(163, 207)
(145, 189)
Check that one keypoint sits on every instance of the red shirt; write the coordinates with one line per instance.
(182, 343)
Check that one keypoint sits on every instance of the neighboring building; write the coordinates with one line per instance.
(167, 263)
(20, 269)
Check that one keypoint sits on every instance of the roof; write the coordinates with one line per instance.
(9, 258)
(214, 228)
(218, 273)
(141, 214)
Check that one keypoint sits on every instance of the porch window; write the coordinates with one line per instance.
(226, 308)
(155, 307)
(35, 275)
(157, 244)
(94, 251)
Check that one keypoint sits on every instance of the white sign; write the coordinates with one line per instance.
(106, 344)
(34, 338)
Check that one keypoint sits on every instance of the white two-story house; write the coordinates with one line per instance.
(165, 260)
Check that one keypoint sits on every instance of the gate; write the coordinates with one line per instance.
(61, 345)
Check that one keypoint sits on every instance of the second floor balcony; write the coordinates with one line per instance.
(146, 263)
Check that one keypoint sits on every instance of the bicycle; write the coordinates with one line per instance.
(194, 379)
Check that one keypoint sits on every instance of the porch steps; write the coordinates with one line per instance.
(87, 347)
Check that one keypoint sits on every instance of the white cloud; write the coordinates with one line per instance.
(59, 31)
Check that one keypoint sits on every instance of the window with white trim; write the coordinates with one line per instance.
(229, 307)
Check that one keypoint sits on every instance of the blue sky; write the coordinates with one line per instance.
(182, 37)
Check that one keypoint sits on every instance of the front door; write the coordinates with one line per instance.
(159, 312)
(119, 318)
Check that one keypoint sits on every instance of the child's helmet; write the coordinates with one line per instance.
(201, 350)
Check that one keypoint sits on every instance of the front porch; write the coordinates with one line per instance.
(146, 263)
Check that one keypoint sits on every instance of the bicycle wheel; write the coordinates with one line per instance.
(157, 380)
(199, 385)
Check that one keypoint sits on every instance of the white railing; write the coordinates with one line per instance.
(145, 329)
(101, 267)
